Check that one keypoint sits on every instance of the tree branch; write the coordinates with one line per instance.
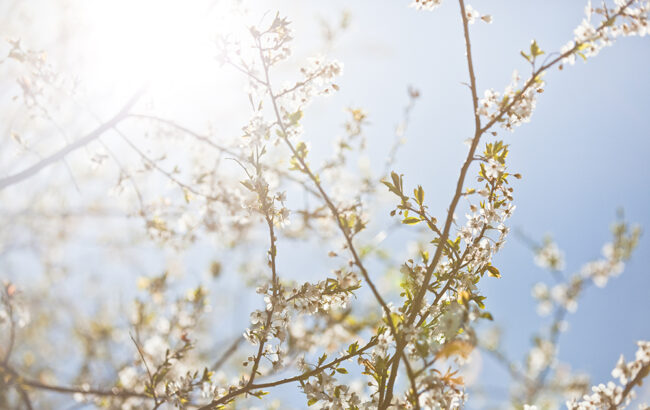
(59, 155)
(417, 301)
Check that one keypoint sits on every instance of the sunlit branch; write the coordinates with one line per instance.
(12, 326)
(231, 395)
(59, 155)
(266, 207)
(335, 212)
(326, 198)
(167, 174)
(539, 383)
(35, 384)
(643, 372)
(545, 67)
(227, 353)
(417, 301)
(224, 149)
(123, 171)
(515, 373)
(152, 383)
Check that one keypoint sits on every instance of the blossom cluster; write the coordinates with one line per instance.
(624, 18)
(515, 106)
(614, 255)
(566, 293)
(612, 395)
(428, 5)
(549, 256)
(325, 390)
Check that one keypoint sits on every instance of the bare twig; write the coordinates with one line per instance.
(59, 155)
(226, 354)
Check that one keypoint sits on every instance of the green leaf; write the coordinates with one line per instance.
(535, 50)
(295, 117)
(463, 297)
(486, 315)
(397, 181)
(494, 272)
(392, 188)
(301, 148)
(419, 194)
(312, 401)
(322, 359)
(411, 220)
(342, 370)
(479, 301)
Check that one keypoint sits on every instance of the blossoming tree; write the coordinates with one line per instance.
(148, 187)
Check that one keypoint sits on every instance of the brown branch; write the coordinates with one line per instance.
(35, 384)
(478, 132)
(335, 213)
(417, 301)
(228, 397)
(348, 237)
(226, 354)
(548, 65)
(152, 384)
(24, 396)
(12, 327)
(275, 287)
(333, 209)
(643, 372)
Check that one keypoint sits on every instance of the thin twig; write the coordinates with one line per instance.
(226, 354)
(146, 366)
(59, 155)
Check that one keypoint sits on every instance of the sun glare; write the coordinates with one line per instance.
(165, 44)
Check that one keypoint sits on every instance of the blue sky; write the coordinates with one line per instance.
(583, 156)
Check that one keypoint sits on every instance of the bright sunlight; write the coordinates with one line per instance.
(166, 44)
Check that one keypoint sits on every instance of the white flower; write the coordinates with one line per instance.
(428, 5)
(156, 347)
(471, 14)
(584, 32)
(540, 291)
(257, 317)
(550, 257)
(466, 234)
(128, 377)
(508, 210)
(489, 213)
(474, 223)
(493, 169)
(571, 58)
